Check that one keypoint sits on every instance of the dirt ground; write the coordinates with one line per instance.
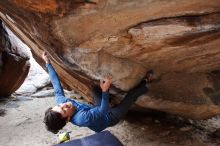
(21, 124)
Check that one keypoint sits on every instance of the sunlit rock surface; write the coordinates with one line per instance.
(36, 79)
(179, 40)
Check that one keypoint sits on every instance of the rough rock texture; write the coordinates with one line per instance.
(88, 39)
(14, 64)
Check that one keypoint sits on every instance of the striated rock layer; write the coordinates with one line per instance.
(87, 39)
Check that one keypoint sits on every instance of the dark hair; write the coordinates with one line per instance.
(54, 120)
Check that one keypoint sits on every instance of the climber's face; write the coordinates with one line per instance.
(65, 109)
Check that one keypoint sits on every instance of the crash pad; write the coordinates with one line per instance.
(104, 138)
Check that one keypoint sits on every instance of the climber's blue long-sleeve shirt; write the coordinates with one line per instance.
(96, 118)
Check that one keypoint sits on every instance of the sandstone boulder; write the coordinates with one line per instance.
(87, 39)
(14, 64)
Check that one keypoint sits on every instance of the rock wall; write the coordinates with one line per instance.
(87, 39)
(14, 64)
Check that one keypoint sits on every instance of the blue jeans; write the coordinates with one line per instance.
(121, 109)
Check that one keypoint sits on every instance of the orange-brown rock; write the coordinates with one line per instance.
(14, 64)
(87, 39)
